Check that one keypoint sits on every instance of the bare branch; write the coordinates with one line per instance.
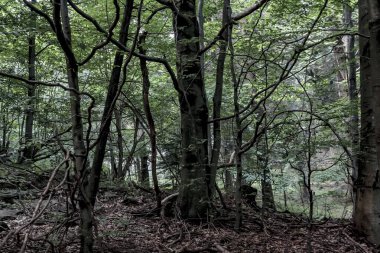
(41, 13)
(249, 10)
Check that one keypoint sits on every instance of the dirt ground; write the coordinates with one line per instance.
(131, 228)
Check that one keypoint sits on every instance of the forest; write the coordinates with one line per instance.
(189, 126)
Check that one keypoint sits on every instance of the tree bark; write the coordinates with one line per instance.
(367, 204)
(194, 196)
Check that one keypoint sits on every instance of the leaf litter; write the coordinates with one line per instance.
(132, 228)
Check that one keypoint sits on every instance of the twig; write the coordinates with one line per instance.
(37, 212)
(220, 248)
(354, 242)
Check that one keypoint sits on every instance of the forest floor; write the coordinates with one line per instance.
(130, 227)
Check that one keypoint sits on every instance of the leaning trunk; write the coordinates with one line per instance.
(92, 179)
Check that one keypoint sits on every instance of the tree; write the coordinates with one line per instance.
(91, 179)
(28, 151)
(150, 120)
(194, 196)
(367, 186)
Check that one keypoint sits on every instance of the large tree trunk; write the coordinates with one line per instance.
(193, 199)
(374, 28)
(367, 205)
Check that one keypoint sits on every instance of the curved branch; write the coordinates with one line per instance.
(32, 83)
(110, 30)
(249, 10)
(123, 48)
(41, 13)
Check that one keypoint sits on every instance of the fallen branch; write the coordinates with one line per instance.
(220, 248)
(354, 242)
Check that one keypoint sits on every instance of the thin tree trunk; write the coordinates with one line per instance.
(267, 190)
(218, 94)
(138, 169)
(144, 171)
(150, 120)
(353, 95)
(4, 133)
(228, 187)
(238, 144)
(352, 91)
(120, 146)
(136, 138)
(201, 33)
(91, 182)
(113, 171)
(63, 31)
(263, 160)
(200, 19)
(28, 151)
(238, 184)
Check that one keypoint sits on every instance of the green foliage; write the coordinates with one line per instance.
(264, 44)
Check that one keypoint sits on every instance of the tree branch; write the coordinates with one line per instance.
(249, 10)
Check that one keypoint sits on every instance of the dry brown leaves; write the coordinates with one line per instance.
(119, 229)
